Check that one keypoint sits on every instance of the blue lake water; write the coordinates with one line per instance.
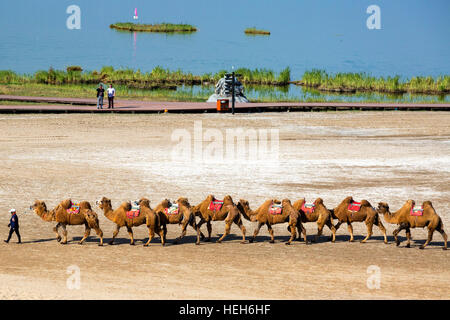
(327, 34)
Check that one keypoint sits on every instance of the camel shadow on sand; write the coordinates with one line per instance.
(39, 240)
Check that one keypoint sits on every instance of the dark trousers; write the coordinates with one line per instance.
(111, 102)
(11, 231)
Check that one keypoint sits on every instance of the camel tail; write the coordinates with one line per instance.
(440, 225)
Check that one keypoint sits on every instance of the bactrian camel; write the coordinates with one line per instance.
(361, 212)
(212, 210)
(407, 217)
(267, 215)
(65, 215)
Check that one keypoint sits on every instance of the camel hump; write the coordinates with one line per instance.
(349, 199)
(365, 203)
(86, 205)
(127, 206)
(427, 204)
(276, 201)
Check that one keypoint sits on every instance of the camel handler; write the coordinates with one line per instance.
(14, 225)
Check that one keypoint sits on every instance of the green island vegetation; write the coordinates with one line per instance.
(257, 31)
(363, 82)
(159, 27)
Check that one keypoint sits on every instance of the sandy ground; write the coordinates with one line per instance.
(378, 156)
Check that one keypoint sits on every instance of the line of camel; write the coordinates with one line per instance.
(271, 212)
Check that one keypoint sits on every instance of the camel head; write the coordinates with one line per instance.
(183, 201)
(104, 203)
(383, 208)
(318, 201)
(37, 205)
(243, 205)
(144, 202)
(40, 208)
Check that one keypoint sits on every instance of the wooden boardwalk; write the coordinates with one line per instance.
(76, 105)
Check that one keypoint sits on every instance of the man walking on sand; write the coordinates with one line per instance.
(14, 226)
(111, 95)
(100, 95)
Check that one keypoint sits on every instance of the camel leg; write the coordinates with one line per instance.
(337, 225)
(227, 231)
(99, 233)
(304, 232)
(272, 238)
(258, 227)
(380, 226)
(350, 230)
(369, 225)
(55, 229)
(130, 233)
(209, 227)
(151, 235)
(408, 237)
(293, 235)
(396, 232)
(87, 232)
(63, 226)
(430, 236)
(162, 234)
(333, 230)
(199, 224)
(197, 229)
(320, 225)
(183, 232)
(115, 233)
(239, 223)
(440, 229)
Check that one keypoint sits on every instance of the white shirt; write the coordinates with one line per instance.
(111, 92)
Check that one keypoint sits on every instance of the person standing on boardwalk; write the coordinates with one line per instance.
(14, 226)
(111, 95)
(100, 95)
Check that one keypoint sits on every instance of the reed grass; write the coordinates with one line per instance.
(257, 31)
(160, 27)
(352, 82)
(159, 77)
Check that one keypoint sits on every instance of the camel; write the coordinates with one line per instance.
(406, 217)
(263, 216)
(120, 217)
(154, 221)
(181, 213)
(62, 215)
(358, 212)
(317, 213)
(212, 210)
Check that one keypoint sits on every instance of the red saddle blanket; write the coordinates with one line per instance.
(416, 211)
(74, 208)
(133, 214)
(173, 210)
(308, 208)
(354, 206)
(275, 209)
(215, 205)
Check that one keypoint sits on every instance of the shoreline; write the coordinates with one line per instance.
(77, 105)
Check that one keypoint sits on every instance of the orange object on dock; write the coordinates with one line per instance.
(223, 105)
